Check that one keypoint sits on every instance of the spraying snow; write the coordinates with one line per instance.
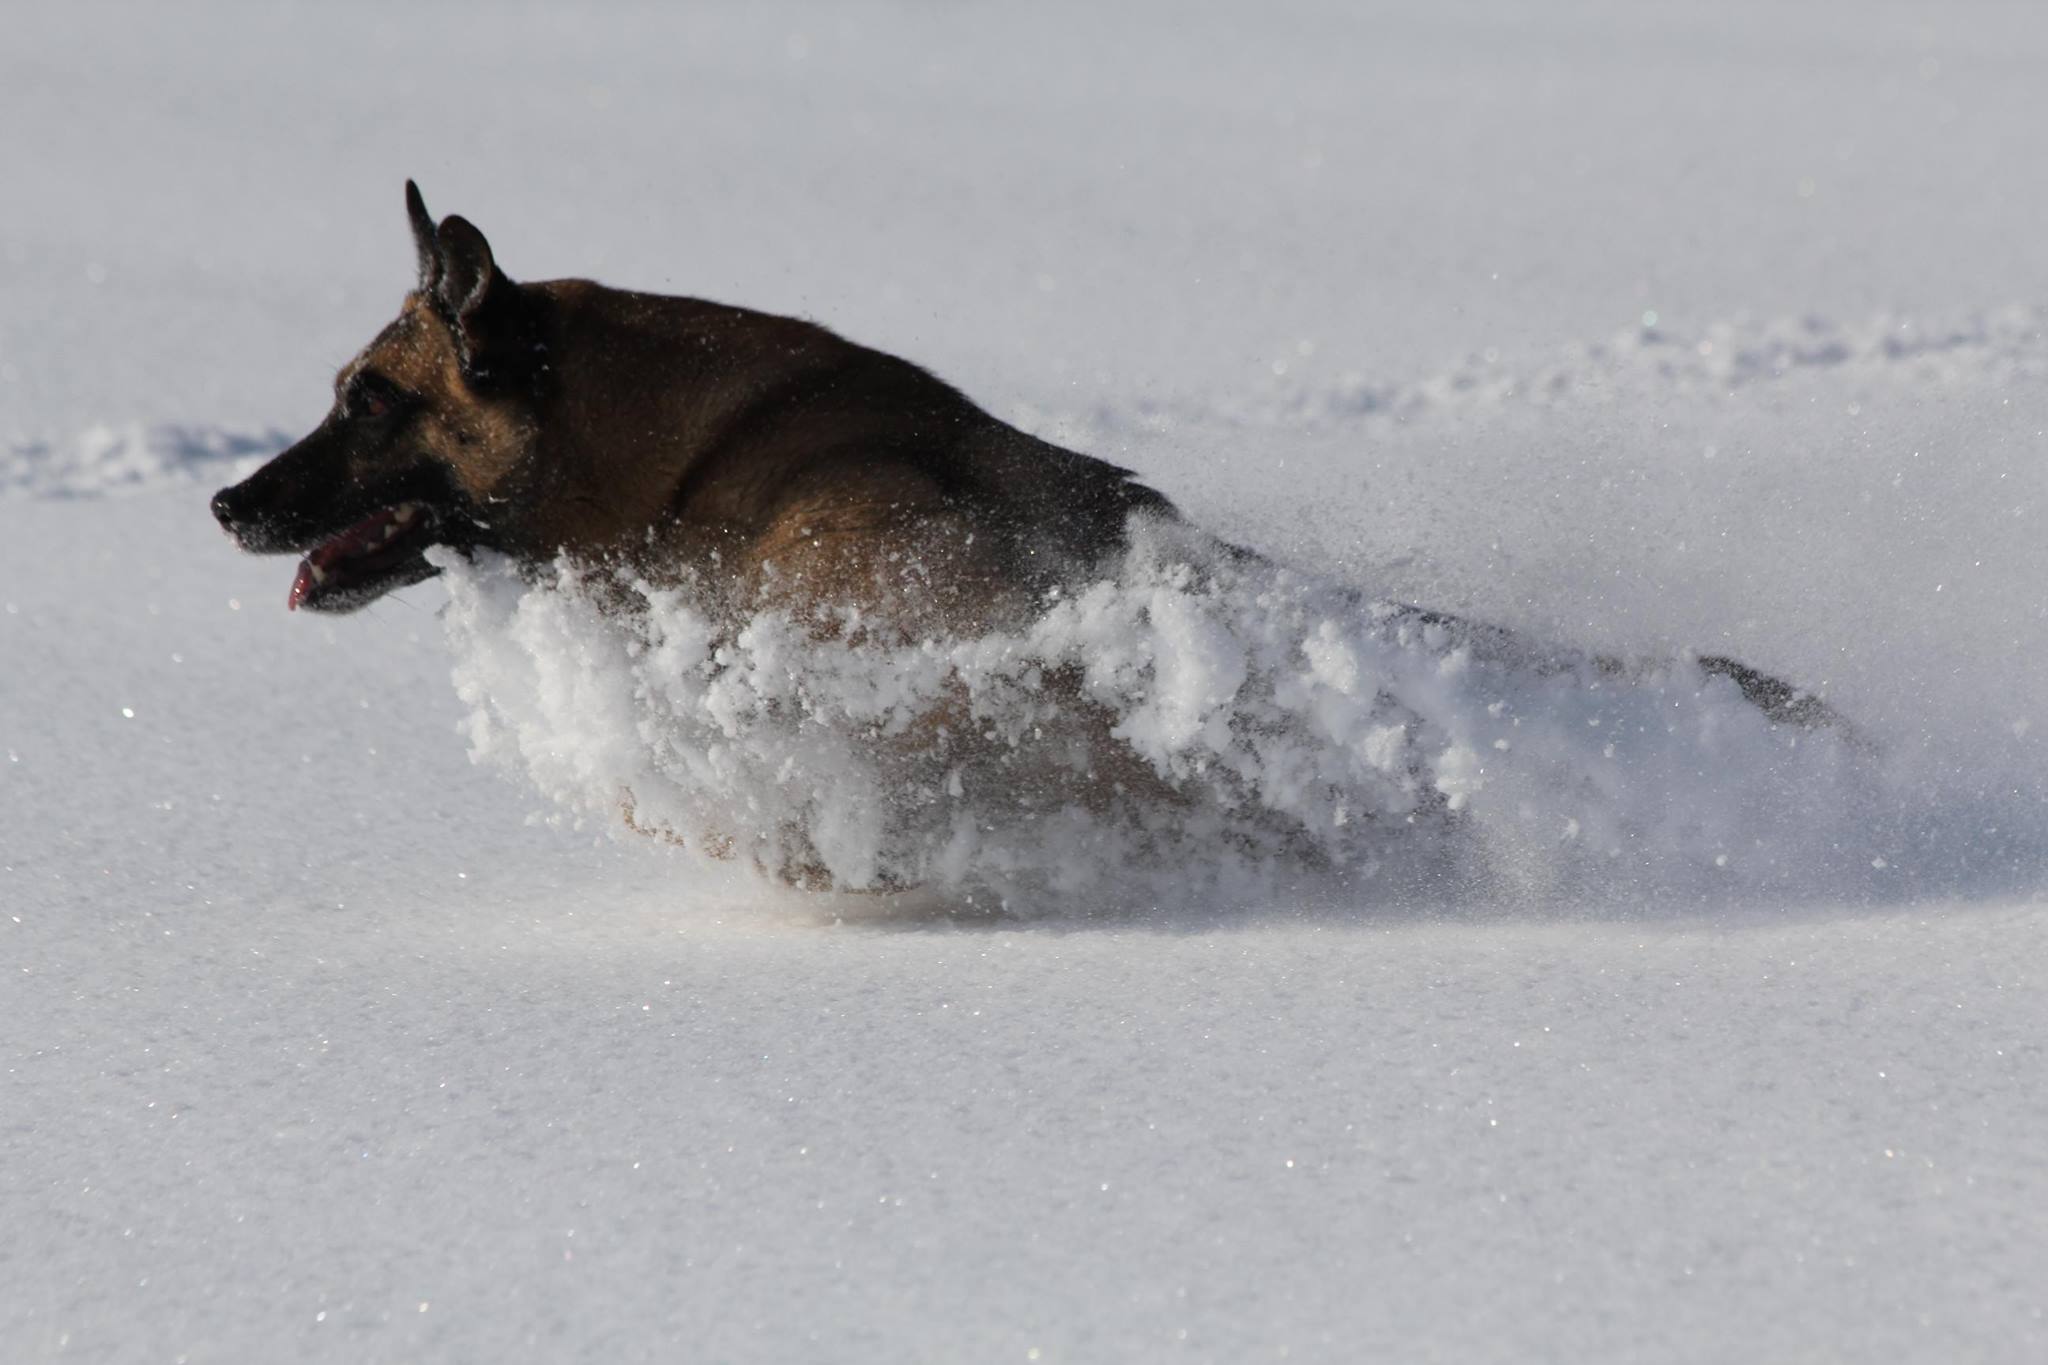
(1198, 722)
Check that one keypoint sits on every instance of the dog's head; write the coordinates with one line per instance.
(431, 431)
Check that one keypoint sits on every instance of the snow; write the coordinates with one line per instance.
(1638, 332)
(1281, 734)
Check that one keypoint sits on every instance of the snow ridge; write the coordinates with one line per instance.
(113, 460)
(1717, 361)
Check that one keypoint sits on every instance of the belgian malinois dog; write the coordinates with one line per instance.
(774, 457)
(760, 456)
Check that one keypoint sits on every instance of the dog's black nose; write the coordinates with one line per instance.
(223, 505)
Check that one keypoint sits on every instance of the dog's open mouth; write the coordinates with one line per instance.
(383, 552)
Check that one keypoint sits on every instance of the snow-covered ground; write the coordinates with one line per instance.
(1641, 330)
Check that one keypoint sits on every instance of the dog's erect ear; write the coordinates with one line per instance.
(423, 238)
(483, 305)
(468, 272)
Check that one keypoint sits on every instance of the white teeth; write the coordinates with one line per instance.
(401, 516)
(319, 574)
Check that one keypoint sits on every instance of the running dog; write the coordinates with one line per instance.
(760, 456)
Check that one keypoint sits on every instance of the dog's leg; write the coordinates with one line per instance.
(1779, 700)
(718, 846)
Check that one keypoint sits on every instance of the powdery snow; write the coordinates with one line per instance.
(325, 1041)
(1283, 732)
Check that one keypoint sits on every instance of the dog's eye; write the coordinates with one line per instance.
(370, 398)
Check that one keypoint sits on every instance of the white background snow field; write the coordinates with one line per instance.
(338, 1024)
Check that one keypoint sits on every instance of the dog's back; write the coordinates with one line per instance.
(789, 456)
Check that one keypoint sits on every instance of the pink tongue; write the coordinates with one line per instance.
(363, 535)
(302, 583)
